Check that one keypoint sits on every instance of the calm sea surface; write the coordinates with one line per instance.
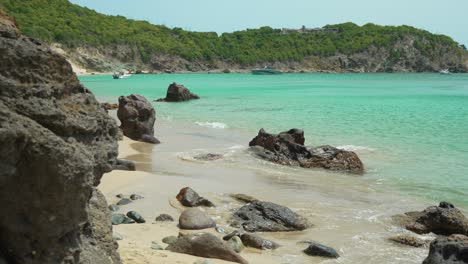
(411, 129)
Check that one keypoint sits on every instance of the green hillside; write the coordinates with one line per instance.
(72, 25)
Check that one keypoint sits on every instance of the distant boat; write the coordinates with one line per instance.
(266, 71)
(445, 72)
(121, 75)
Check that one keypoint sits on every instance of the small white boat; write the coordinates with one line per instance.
(445, 72)
(121, 75)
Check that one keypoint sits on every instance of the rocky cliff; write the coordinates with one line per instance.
(56, 143)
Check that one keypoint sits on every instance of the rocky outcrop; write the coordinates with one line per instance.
(137, 117)
(178, 93)
(448, 250)
(444, 219)
(268, 217)
(190, 198)
(287, 148)
(56, 143)
(205, 245)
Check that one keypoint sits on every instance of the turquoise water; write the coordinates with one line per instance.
(412, 129)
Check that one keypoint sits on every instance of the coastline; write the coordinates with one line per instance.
(350, 214)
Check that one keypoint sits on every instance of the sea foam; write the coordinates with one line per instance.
(212, 124)
(355, 148)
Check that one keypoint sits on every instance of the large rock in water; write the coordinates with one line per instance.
(56, 142)
(448, 250)
(444, 219)
(205, 245)
(137, 117)
(287, 148)
(178, 93)
(268, 217)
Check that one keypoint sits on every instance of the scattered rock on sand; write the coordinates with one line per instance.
(243, 198)
(124, 201)
(190, 198)
(136, 216)
(178, 93)
(268, 217)
(235, 243)
(169, 240)
(205, 245)
(408, 240)
(118, 219)
(136, 197)
(164, 218)
(316, 249)
(195, 219)
(113, 207)
(208, 157)
(251, 240)
(448, 250)
(137, 117)
(444, 219)
(287, 148)
(125, 165)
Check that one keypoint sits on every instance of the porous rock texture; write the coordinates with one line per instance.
(56, 143)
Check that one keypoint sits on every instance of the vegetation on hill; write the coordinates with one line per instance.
(72, 25)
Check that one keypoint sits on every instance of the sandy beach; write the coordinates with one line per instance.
(349, 213)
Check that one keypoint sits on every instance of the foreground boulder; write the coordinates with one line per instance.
(287, 148)
(268, 217)
(178, 93)
(444, 219)
(205, 245)
(137, 117)
(190, 198)
(195, 219)
(56, 143)
(448, 250)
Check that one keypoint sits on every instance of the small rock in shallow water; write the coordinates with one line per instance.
(169, 240)
(113, 207)
(136, 197)
(316, 249)
(235, 243)
(136, 216)
(243, 198)
(156, 246)
(164, 218)
(118, 219)
(117, 236)
(250, 240)
(195, 219)
(124, 201)
(407, 240)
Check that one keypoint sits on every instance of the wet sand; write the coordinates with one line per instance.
(350, 213)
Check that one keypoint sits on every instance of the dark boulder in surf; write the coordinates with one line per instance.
(448, 250)
(319, 250)
(287, 148)
(444, 219)
(137, 117)
(56, 142)
(178, 93)
(268, 217)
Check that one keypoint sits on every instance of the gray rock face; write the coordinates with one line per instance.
(137, 117)
(448, 250)
(178, 93)
(316, 249)
(287, 148)
(268, 217)
(190, 198)
(56, 143)
(195, 219)
(205, 245)
(444, 219)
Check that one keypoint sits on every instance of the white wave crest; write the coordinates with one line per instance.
(212, 124)
(355, 148)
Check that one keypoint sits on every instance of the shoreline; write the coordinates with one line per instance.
(347, 211)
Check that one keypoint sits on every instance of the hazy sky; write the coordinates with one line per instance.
(449, 17)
